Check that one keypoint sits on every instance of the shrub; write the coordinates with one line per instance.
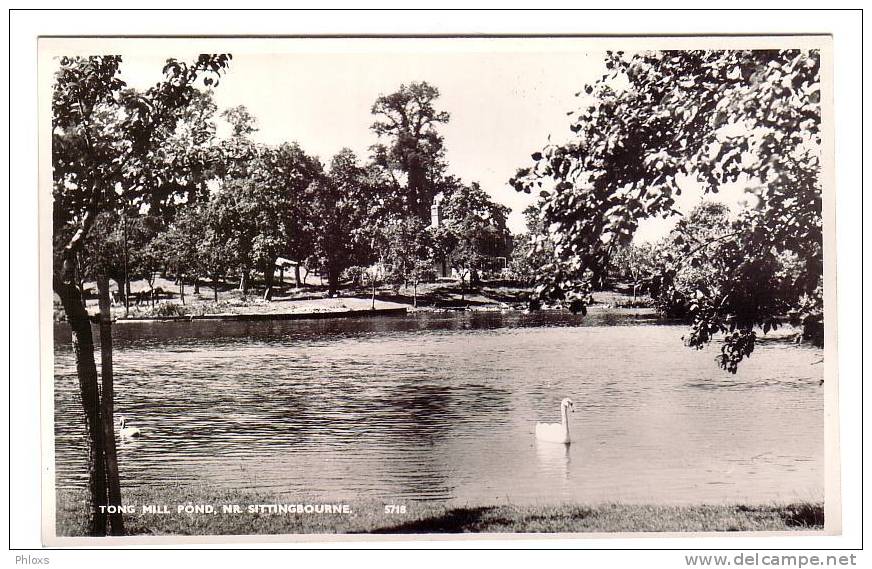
(354, 274)
(169, 309)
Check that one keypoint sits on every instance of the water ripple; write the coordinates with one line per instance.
(443, 407)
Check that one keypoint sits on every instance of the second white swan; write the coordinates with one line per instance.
(128, 432)
(557, 432)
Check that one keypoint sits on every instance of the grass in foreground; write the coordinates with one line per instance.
(370, 516)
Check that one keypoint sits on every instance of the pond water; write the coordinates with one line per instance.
(443, 406)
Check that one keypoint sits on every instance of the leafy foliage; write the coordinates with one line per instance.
(473, 230)
(266, 211)
(109, 144)
(715, 117)
(406, 248)
(633, 264)
(179, 246)
(106, 141)
(530, 250)
(413, 152)
(343, 201)
(243, 123)
(120, 242)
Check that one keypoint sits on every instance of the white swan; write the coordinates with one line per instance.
(557, 432)
(128, 432)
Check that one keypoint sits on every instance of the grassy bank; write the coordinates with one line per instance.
(325, 307)
(370, 516)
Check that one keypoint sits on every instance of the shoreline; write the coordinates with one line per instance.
(410, 517)
(355, 304)
(255, 316)
(367, 313)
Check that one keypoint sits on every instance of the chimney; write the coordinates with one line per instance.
(435, 215)
(436, 211)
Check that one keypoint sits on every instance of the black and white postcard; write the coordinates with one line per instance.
(343, 288)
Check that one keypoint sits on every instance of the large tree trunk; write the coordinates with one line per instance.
(417, 180)
(332, 281)
(269, 272)
(86, 369)
(215, 287)
(297, 274)
(107, 395)
(119, 282)
(196, 285)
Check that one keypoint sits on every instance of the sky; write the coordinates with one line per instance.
(504, 103)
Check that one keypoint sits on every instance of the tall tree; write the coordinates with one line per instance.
(346, 200)
(634, 264)
(191, 148)
(175, 161)
(179, 246)
(118, 249)
(406, 245)
(716, 117)
(530, 250)
(290, 177)
(270, 199)
(412, 152)
(216, 246)
(473, 231)
(103, 143)
(704, 258)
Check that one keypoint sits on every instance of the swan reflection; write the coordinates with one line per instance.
(554, 458)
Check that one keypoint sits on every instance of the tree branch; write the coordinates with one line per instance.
(704, 245)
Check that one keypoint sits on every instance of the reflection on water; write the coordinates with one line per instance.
(444, 406)
(553, 460)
